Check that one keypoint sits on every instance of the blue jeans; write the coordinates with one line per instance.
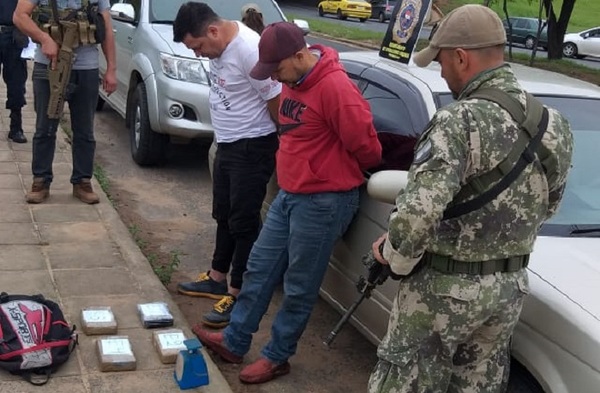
(82, 96)
(294, 246)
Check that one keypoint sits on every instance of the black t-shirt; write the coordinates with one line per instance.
(7, 8)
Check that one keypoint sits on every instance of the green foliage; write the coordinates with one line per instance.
(137, 237)
(164, 271)
(585, 14)
(339, 31)
(100, 175)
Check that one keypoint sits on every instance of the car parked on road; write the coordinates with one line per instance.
(556, 344)
(582, 44)
(382, 9)
(162, 89)
(525, 30)
(346, 8)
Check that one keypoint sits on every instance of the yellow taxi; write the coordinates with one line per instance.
(346, 8)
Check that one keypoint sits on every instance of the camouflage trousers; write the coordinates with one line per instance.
(450, 333)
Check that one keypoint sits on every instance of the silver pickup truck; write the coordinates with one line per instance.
(162, 89)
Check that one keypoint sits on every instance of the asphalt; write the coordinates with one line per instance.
(79, 256)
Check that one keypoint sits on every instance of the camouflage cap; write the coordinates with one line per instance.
(471, 26)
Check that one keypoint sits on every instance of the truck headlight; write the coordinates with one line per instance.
(184, 69)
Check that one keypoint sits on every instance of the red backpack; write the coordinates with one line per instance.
(35, 338)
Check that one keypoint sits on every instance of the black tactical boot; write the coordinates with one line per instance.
(16, 127)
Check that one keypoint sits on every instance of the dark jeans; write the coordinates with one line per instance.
(14, 71)
(82, 96)
(241, 172)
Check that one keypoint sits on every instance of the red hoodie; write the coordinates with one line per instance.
(328, 135)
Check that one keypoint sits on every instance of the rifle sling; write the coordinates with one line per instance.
(507, 171)
(55, 14)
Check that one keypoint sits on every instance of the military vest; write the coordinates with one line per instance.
(89, 22)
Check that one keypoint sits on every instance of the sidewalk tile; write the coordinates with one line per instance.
(82, 232)
(114, 281)
(12, 196)
(158, 381)
(16, 213)
(28, 283)
(23, 155)
(8, 168)
(56, 384)
(18, 233)
(6, 156)
(21, 258)
(44, 213)
(10, 181)
(84, 255)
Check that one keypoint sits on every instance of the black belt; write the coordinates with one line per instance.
(6, 28)
(446, 264)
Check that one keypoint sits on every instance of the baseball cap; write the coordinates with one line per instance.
(250, 6)
(278, 41)
(471, 26)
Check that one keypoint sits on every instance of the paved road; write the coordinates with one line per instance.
(305, 11)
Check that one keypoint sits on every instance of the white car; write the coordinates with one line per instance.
(556, 344)
(580, 45)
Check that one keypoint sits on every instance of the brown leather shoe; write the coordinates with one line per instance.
(85, 193)
(214, 341)
(263, 370)
(39, 191)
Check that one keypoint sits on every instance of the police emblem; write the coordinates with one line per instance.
(423, 152)
(406, 20)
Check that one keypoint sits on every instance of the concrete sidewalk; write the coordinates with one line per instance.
(79, 256)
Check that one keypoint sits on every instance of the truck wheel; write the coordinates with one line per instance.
(381, 17)
(147, 147)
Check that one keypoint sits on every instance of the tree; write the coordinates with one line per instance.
(557, 27)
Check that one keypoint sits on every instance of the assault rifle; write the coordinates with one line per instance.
(378, 273)
(59, 77)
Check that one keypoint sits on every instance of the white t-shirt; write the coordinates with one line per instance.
(238, 107)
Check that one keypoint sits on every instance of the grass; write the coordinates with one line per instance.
(100, 175)
(585, 13)
(163, 269)
(339, 31)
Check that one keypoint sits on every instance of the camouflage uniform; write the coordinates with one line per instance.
(450, 332)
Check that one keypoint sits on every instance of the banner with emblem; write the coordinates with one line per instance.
(403, 29)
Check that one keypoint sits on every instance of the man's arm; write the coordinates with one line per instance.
(22, 20)
(109, 80)
(349, 116)
(433, 182)
(273, 107)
